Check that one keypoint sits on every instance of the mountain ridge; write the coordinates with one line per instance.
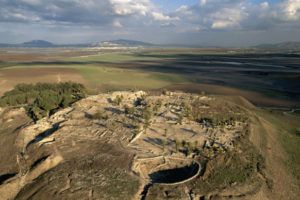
(121, 43)
(47, 44)
(281, 45)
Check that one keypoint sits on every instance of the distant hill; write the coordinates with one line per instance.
(3, 45)
(38, 44)
(283, 45)
(131, 43)
(46, 44)
(122, 43)
(30, 44)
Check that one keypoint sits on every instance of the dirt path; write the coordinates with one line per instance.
(275, 160)
(265, 137)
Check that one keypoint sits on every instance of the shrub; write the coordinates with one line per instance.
(118, 100)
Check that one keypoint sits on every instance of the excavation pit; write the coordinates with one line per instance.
(175, 175)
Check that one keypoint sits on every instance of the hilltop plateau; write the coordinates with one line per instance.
(135, 145)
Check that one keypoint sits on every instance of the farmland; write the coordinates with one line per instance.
(267, 80)
(264, 79)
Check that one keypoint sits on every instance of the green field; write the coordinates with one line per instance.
(116, 77)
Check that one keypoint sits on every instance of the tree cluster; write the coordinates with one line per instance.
(43, 99)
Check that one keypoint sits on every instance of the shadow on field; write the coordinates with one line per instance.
(273, 75)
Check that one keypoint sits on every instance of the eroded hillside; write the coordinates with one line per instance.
(132, 145)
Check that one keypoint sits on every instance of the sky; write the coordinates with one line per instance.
(186, 22)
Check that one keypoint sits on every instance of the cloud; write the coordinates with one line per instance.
(211, 14)
(90, 12)
(291, 10)
(97, 12)
(138, 17)
(157, 16)
(56, 11)
(240, 14)
(214, 14)
(129, 7)
(227, 18)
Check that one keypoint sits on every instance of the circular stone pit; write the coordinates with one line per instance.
(175, 175)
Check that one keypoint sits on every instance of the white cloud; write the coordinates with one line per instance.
(157, 16)
(227, 18)
(291, 9)
(222, 24)
(240, 14)
(129, 7)
(214, 14)
(184, 10)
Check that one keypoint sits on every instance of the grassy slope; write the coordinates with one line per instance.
(288, 133)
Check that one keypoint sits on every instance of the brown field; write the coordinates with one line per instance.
(30, 55)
